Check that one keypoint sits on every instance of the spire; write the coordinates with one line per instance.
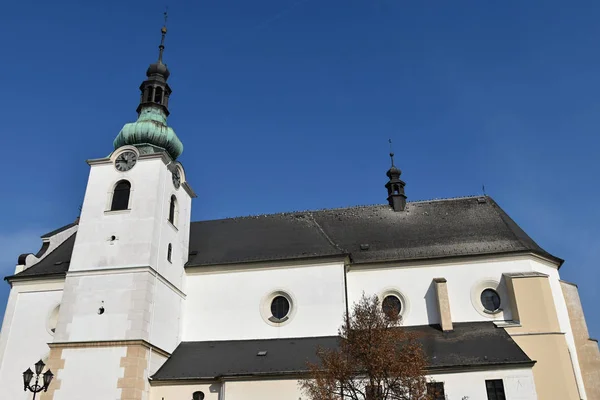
(150, 132)
(163, 32)
(395, 186)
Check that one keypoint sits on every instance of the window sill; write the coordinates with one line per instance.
(172, 226)
(279, 320)
(498, 311)
(113, 212)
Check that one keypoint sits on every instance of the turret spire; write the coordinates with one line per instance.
(150, 133)
(395, 185)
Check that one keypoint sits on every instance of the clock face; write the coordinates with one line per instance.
(176, 179)
(125, 161)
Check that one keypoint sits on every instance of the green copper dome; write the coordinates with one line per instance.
(149, 132)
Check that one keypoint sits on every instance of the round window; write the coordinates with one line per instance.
(280, 307)
(198, 396)
(490, 300)
(391, 306)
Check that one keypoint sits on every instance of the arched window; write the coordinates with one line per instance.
(120, 200)
(173, 210)
(169, 252)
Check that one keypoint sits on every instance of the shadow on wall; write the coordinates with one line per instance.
(433, 312)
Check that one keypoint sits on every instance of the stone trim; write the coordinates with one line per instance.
(529, 274)
(134, 384)
(109, 343)
(55, 363)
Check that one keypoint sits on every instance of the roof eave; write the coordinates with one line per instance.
(304, 373)
(545, 256)
(341, 256)
(17, 277)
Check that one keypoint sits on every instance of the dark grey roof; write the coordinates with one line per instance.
(427, 229)
(471, 344)
(55, 263)
(266, 237)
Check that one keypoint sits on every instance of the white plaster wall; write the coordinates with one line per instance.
(226, 305)
(518, 384)
(91, 373)
(155, 362)
(143, 232)
(166, 317)
(25, 334)
(415, 284)
(212, 391)
(563, 317)
(283, 389)
(127, 301)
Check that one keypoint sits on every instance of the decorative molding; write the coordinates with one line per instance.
(395, 291)
(265, 307)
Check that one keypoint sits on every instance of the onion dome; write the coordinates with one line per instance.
(158, 68)
(150, 133)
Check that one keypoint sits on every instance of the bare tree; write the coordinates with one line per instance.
(375, 359)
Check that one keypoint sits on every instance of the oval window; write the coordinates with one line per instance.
(391, 306)
(490, 300)
(198, 396)
(280, 307)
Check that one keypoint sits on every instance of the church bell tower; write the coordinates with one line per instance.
(120, 313)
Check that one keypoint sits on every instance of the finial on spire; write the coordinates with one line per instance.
(163, 32)
(391, 152)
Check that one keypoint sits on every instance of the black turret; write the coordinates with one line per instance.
(395, 188)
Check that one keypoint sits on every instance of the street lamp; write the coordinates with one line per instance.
(36, 387)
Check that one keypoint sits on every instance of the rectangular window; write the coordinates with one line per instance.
(495, 389)
(435, 391)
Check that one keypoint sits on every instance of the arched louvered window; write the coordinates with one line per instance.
(169, 252)
(158, 93)
(173, 210)
(120, 199)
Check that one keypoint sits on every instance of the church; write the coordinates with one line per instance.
(135, 301)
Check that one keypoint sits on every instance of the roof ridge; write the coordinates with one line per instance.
(284, 213)
(261, 339)
(312, 217)
(474, 196)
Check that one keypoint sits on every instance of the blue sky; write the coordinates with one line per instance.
(288, 105)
